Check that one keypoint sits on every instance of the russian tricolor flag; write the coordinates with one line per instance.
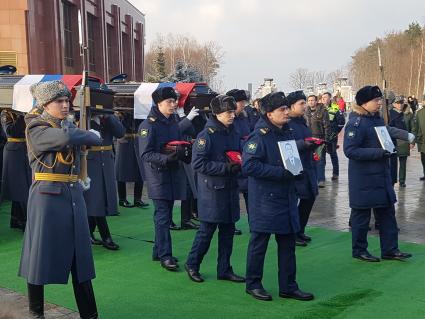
(143, 96)
(22, 98)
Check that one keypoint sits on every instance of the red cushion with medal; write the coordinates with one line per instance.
(182, 148)
(234, 157)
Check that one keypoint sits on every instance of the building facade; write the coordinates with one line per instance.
(41, 37)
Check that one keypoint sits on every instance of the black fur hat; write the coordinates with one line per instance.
(367, 93)
(163, 93)
(272, 101)
(238, 95)
(294, 97)
(222, 103)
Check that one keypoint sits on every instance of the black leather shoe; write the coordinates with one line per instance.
(157, 259)
(232, 277)
(95, 241)
(299, 242)
(140, 204)
(260, 294)
(297, 294)
(304, 237)
(109, 244)
(422, 178)
(238, 232)
(397, 256)
(189, 225)
(193, 274)
(402, 185)
(367, 257)
(170, 264)
(125, 203)
(173, 226)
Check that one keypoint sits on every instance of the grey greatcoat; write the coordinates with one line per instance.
(57, 232)
(101, 198)
(16, 170)
(128, 164)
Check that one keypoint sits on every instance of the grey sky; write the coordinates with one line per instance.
(273, 38)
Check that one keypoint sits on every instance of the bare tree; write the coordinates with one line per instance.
(299, 79)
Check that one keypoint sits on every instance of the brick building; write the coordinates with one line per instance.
(41, 37)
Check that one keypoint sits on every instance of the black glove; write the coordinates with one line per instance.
(300, 176)
(287, 175)
(173, 160)
(233, 169)
(386, 154)
(310, 145)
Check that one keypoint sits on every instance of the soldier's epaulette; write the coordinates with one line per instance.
(151, 119)
(211, 130)
(264, 130)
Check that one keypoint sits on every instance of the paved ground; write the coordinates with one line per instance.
(331, 211)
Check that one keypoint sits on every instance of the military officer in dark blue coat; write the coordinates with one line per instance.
(164, 173)
(16, 170)
(242, 125)
(306, 187)
(57, 238)
(218, 196)
(128, 165)
(369, 179)
(272, 200)
(101, 198)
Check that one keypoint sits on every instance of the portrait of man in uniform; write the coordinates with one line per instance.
(290, 156)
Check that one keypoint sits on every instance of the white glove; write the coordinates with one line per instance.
(85, 184)
(411, 138)
(95, 132)
(194, 112)
(180, 112)
(96, 119)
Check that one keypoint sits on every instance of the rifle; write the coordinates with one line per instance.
(84, 102)
(384, 110)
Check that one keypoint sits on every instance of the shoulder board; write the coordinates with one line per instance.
(151, 119)
(211, 130)
(264, 130)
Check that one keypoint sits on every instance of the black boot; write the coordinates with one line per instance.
(86, 302)
(107, 241)
(36, 300)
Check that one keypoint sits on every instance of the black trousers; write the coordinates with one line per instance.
(83, 292)
(122, 190)
(202, 242)
(286, 261)
(304, 209)
(102, 226)
(18, 215)
(388, 231)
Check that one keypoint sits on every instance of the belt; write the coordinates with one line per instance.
(130, 135)
(16, 139)
(100, 148)
(54, 177)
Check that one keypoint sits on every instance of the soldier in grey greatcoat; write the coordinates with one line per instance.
(128, 165)
(16, 170)
(57, 238)
(101, 198)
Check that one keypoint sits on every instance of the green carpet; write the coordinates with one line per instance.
(130, 285)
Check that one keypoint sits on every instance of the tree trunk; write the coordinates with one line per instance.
(411, 69)
(420, 67)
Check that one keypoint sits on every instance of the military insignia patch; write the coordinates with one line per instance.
(201, 143)
(351, 134)
(251, 147)
(144, 132)
(264, 130)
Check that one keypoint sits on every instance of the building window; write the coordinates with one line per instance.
(91, 42)
(113, 61)
(67, 24)
(126, 51)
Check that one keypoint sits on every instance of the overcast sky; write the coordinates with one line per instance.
(273, 38)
